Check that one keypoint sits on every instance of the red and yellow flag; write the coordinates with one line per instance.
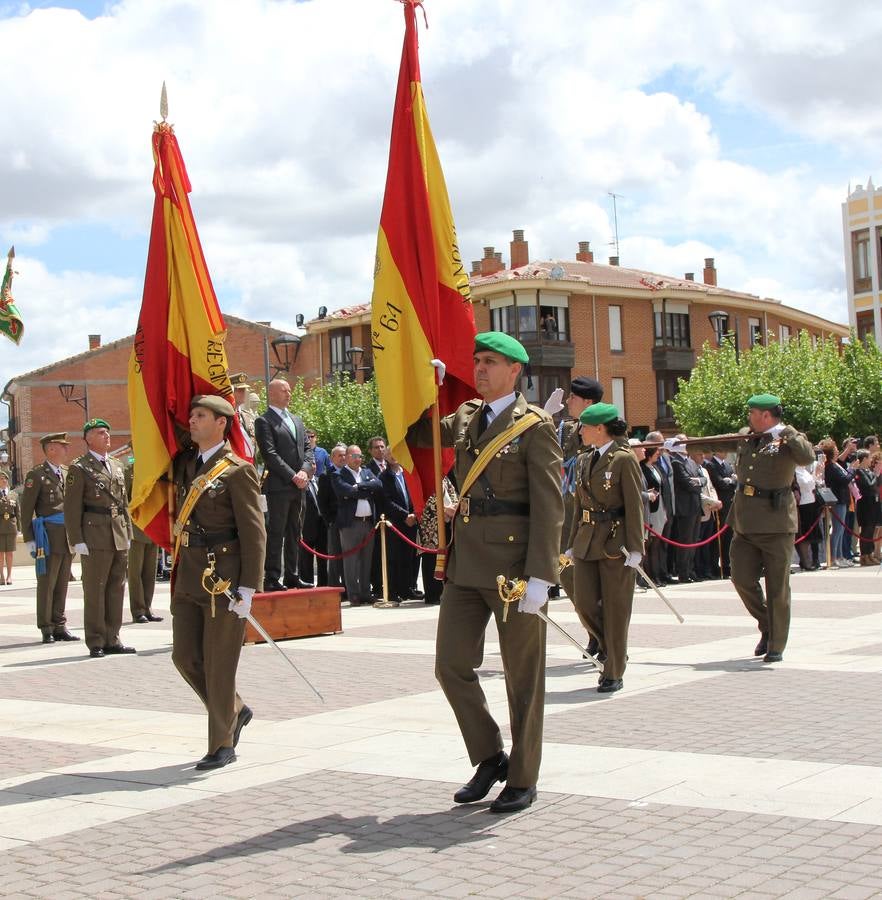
(179, 343)
(421, 304)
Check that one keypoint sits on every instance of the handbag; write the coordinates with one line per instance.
(825, 495)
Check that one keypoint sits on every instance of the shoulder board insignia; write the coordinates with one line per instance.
(29, 483)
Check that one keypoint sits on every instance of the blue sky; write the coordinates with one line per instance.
(735, 139)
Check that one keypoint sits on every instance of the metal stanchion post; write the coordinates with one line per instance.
(385, 602)
(827, 538)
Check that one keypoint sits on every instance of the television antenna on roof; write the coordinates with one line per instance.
(615, 241)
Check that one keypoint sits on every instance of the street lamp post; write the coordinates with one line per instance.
(282, 351)
(66, 389)
(719, 319)
(355, 354)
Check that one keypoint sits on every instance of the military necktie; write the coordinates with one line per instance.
(485, 419)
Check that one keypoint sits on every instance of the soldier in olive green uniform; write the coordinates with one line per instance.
(42, 518)
(141, 567)
(583, 392)
(225, 529)
(241, 393)
(10, 521)
(763, 518)
(98, 526)
(608, 517)
(508, 523)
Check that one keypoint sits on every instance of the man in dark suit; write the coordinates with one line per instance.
(358, 493)
(722, 475)
(398, 507)
(377, 464)
(662, 463)
(289, 460)
(327, 503)
(687, 497)
(315, 534)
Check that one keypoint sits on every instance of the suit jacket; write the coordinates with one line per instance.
(663, 465)
(348, 493)
(232, 504)
(396, 506)
(43, 495)
(313, 524)
(89, 483)
(653, 479)
(614, 483)
(525, 471)
(283, 454)
(687, 493)
(374, 466)
(327, 499)
(722, 477)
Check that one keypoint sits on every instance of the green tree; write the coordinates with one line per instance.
(860, 407)
(341, 410)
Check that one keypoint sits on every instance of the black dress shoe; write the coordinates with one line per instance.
(489, 772)
(118, 648)
(415, 595)
(217, 760)
(271, 586)
(152, 618)
(762, 647)
(245, 716)
(432, 602)
(48, 638)
(610, 685)
(141, 620)
(773, 657)
(593, 645)
(64, 635)
(96, 653)
(513, 799)
(601, 657)
(299, 585)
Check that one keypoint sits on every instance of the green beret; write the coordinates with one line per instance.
(498, 342)
(599, 414)
(95, 423)
(764, 401)
(58, 437)
(215, 403)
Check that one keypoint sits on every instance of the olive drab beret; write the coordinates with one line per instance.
(95, 423)
(599, 414)
(497, 342)
(215, 403)
(764, 401)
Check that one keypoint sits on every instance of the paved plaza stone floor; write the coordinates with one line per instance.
(710, 775)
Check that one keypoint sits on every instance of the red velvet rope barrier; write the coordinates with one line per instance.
(811, 528)
(854, 533)
(349, 552)
(713, 537)
(407, 540)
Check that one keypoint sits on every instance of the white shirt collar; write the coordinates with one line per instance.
(775, 430)
(499, 405)
(207, 454)
(355, 475)
(279, 411)
(604, 448)
(101, 457)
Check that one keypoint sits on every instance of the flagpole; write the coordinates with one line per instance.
(441, 557)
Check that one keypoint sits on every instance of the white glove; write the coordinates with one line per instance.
(554, 404)
(536, 596)
(32, 547)
(82, 549)
(243, 608)
(128, 545)
(568, 553)
(632, 560)
(441, 370)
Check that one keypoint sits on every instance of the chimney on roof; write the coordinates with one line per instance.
(710, 273)
(690, 276)
(492, 262)
(520, 251)
(94, 341)
(476, 267)
(585, 254)
(614, 260)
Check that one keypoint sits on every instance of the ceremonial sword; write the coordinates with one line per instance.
(655, 587)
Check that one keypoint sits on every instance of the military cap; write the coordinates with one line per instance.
(764, 401)
(95, 423)
(59, 437)
(599, 414)
(587, 388)
(5, 475)
(240, 380)
(498, 342)
(215, 403)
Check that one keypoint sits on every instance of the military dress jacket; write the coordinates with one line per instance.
(525, 471)
(43, 495)
(612, 490)
(96, 509)
(226, 521)
(10, 515)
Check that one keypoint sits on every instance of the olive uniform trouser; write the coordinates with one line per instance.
(104, 579)
(614, 581)
(52, 593)
(462, 621)
(142, 577)
(764, 555)
(206, 651)
(588, 610)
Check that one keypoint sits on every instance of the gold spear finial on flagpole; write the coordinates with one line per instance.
(11, 254)
(163, 103)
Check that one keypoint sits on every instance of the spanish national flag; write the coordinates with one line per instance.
(179, 343)
(421, 304)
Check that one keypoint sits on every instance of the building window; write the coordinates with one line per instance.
(502, 319)
(860, 253)
(618, 395)
(784, 333)
(865, 326)
(554, 323)
(675, 332)
(528, 323)
(666, 387)
(532, 319)
(340, 340)
(755, 332)
(615, 328)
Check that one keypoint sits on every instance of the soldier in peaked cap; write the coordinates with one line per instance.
(42, 526)
(220, 529)
(96, 516)
(763, 518)
(241, 393)
(507, 523)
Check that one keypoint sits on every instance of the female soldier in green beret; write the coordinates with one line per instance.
(608, 516)
(10, 523)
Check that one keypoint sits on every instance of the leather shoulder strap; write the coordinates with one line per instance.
(482, 460)
(199, 486)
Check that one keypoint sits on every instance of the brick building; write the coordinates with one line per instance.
(95, 383)
(637, 332)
